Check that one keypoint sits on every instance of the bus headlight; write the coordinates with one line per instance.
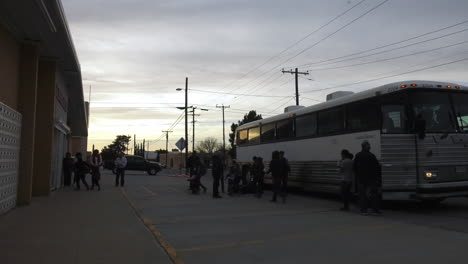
(430, 174)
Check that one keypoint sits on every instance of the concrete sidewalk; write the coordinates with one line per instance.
(78, 227)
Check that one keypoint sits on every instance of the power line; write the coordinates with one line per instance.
(389, 76)
(281, 85)
(392, 58)
(386, 45)
(323, 39)
(389, 50)
(281, 106)
(239, 94)
(258, 87)
(335, 32)
(296, 74)
(297, 42)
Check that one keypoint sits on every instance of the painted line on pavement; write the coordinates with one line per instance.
(170, 250)
(179, 176)
(148, 190)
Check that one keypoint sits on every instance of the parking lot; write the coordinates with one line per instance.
(308, 227)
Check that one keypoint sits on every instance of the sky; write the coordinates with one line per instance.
(134, 54)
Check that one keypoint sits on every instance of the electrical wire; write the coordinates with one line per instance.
(386, 45)
(295, 43)
(398, 48)
(389, 76)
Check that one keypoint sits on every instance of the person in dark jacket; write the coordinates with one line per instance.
(276, 169)
(81, 169)
(217, 172)
(367, 171)
(284, 176)
(192, 163)
(233, 177)
(258, 171)
(68, 165)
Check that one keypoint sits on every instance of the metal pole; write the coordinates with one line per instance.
(224, 136)
(193, 134)
(297, 88)
(186, 124)
(167, 144)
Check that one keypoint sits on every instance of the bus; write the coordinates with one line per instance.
(418, 131)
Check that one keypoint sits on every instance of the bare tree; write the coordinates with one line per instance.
(209, 145)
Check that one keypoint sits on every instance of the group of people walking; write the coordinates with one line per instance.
(237, 178)
(80, 168)
(362, 172)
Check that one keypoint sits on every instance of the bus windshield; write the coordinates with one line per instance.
(435, 109)
(460, 105)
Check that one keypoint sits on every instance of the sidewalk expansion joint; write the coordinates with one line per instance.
(168, 248)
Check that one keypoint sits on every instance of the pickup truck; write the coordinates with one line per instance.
(141, 164)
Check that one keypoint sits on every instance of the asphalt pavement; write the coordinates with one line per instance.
(307, 228)
(155, 219)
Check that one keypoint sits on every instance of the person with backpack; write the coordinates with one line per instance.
(81, 169)
(96, 163)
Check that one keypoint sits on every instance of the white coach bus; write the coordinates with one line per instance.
(424, 160)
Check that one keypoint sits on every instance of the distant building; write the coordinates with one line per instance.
(42, 110)
(151, 155)
(175, 160)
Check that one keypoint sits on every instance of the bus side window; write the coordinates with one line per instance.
(254, 135)
(393, 119)
(242, 137)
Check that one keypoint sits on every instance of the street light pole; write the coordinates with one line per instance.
(186, 124)
(193, 121)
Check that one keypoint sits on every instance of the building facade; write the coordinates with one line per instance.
(42, 110)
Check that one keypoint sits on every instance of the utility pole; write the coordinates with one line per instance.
(224, 143)
(186, 124)
(134, 144)
(296, 72)
(167, 142)
(193, 125)
(224, 130)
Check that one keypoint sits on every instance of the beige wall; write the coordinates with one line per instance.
(175, 160)
(9, 68)
(43, 145)
(27, 107)
(78, 144)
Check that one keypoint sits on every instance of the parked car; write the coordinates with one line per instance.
(141, 164)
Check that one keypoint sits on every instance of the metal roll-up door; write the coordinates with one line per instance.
(10, 133)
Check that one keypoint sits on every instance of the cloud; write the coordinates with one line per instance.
(134, 53)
